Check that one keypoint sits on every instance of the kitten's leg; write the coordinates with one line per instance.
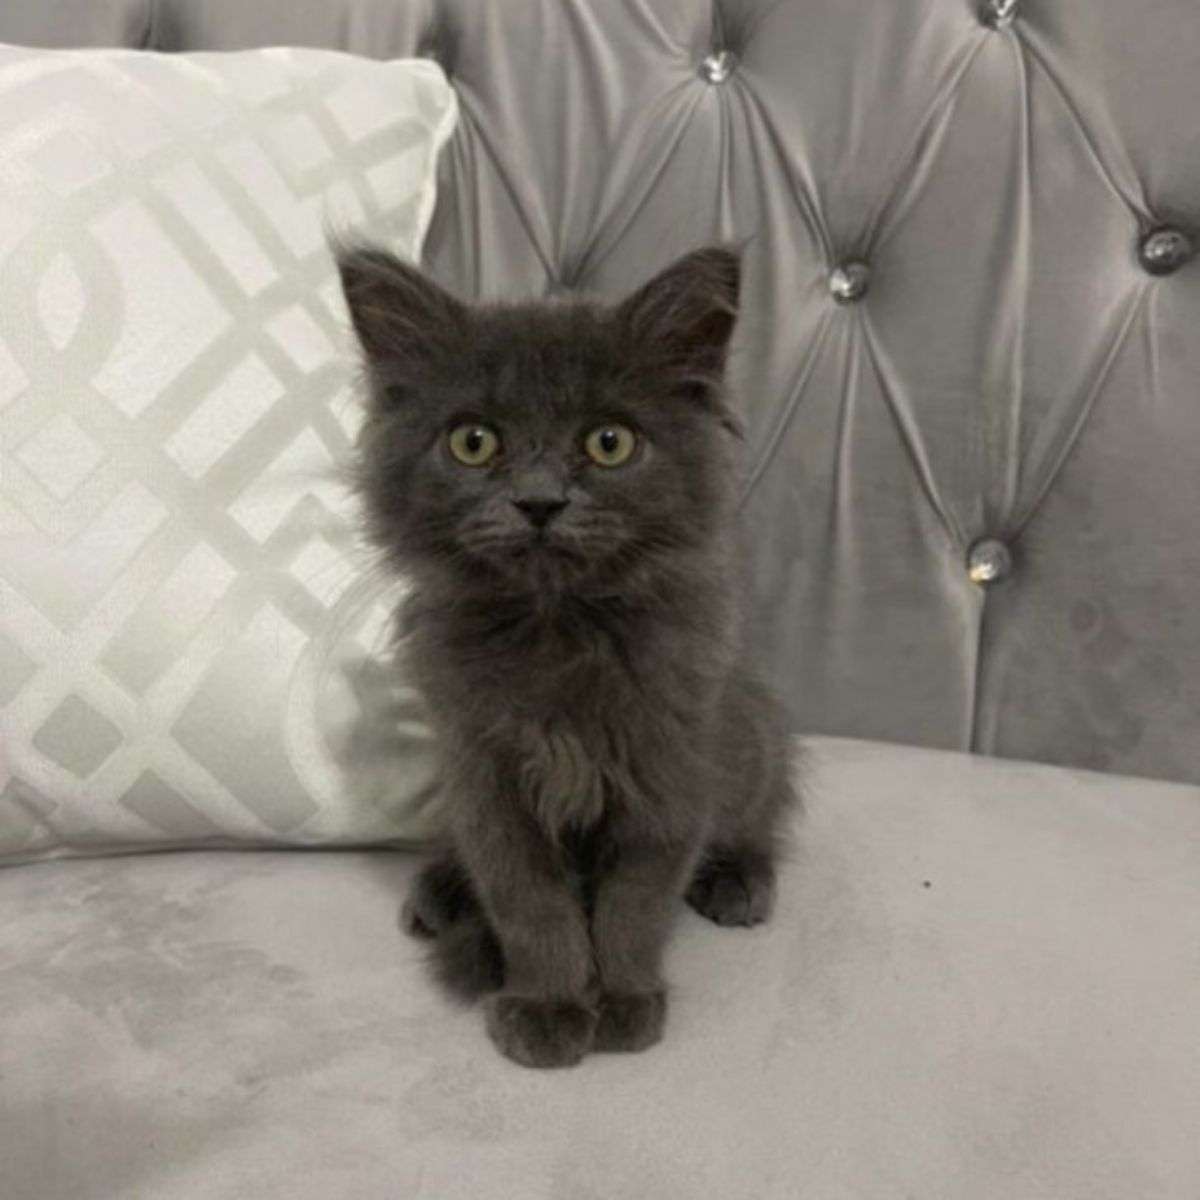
(442, 907)
(635, 904)
(734, 883)
(440, 895)
(545, 1016)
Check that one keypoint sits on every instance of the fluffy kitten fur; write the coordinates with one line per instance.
(574, 629)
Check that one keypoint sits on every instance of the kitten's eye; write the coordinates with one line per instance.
(610, 445)
(474, 445)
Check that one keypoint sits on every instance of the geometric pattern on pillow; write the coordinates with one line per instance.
(191, 640)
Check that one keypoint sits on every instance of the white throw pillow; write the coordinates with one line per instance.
(190, 636)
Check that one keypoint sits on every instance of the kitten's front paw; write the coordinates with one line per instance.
(733, 892)
(630, 1022)
(540, 1033)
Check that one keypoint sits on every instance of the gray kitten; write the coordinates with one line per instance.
(557, 481)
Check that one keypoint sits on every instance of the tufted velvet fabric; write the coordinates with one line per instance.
(970, 316)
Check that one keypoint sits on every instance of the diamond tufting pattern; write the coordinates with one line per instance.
(1020, 186)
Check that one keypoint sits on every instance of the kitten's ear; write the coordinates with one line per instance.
(685, 315)
(398, 312)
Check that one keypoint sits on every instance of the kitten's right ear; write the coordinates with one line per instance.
(398, 312)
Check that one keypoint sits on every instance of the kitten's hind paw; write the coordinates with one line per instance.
(442, 909)
(540, 1033)
(733, 890)
(416, 921)
(440, 895)
(631, 1022)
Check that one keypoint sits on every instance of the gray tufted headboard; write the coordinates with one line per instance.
(970, 352)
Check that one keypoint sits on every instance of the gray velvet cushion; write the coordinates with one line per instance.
(1012, 372)
(980, 985)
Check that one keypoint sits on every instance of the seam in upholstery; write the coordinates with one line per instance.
(716, 31)
(465, 108)
(725, 141)
(587, 29)
(1136, 306)
(808, 365)
(1151, 348)
(851, 385)
(910, 438)
(976, 739)
(604, 241)
(919, 150)
(802, 195)
(1012, 458)
(1135, 204)
(973, 732)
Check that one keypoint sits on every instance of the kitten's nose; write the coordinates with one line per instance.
(539, 511)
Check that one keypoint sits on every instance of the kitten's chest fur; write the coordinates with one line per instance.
(583, 707)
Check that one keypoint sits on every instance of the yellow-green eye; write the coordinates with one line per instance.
(610, 445)
(474, 445)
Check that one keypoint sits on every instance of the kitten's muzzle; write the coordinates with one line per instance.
(539, 511)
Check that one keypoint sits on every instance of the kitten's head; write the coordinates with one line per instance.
(544, 446)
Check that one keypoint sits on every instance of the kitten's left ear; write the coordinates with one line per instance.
(685, 316)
